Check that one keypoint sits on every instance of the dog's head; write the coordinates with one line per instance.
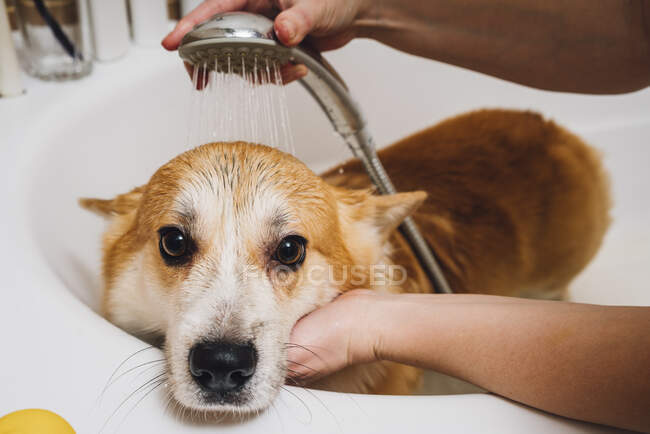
(225, 248)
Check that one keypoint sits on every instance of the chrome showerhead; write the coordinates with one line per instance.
(233, 38)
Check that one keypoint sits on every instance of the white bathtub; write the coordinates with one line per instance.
(109, 132)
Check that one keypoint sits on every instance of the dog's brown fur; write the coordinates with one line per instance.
(516, 206)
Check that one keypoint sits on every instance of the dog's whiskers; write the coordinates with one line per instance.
(156, 385)
(315, 371)
(108, 383)
(338, 423)
(304, 404)
(168, 401)
(277, 413)
(294, 345)
(141, 365)
(296, 377)
(297, 381)
(125, 400)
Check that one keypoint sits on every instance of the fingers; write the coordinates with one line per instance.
(200, 14)
(291, 72)
(325, 340)
(304, 364)
(293, 24)
(314, 351)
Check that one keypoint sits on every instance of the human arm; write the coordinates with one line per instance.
(581, 361)
(577, 46)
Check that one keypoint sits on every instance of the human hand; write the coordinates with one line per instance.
(337, 335)
(332, 23)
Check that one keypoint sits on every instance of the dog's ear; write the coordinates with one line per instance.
(391, 210)
(384, 212)
(120, 205)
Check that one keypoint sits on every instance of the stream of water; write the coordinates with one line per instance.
(249, 105)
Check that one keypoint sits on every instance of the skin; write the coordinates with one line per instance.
(547, 354)
(577, 46)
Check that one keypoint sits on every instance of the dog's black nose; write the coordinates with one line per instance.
(222, 366)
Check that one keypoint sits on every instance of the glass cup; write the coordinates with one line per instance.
(55, 41)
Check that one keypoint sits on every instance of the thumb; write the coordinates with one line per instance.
(293, 24)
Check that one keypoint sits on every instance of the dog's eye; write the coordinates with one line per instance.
(291, 250)
(174, 245)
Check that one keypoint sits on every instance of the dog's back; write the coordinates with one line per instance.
(516, 206)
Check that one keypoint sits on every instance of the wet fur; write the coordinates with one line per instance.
(515, 205)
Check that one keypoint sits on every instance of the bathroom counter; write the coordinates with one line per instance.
(108, 132)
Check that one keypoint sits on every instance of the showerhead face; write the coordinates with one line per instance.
(231, 41)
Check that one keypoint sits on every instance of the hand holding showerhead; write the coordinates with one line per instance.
(592, 58)
(331, 23)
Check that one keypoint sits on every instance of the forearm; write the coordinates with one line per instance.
(581, 361)
(575, 46)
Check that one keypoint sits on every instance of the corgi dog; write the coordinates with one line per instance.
(229, 244)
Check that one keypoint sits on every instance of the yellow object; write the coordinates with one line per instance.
(34, 421)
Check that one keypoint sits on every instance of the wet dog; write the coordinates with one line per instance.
(229, 244)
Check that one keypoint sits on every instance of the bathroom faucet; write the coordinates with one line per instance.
(247, 37)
